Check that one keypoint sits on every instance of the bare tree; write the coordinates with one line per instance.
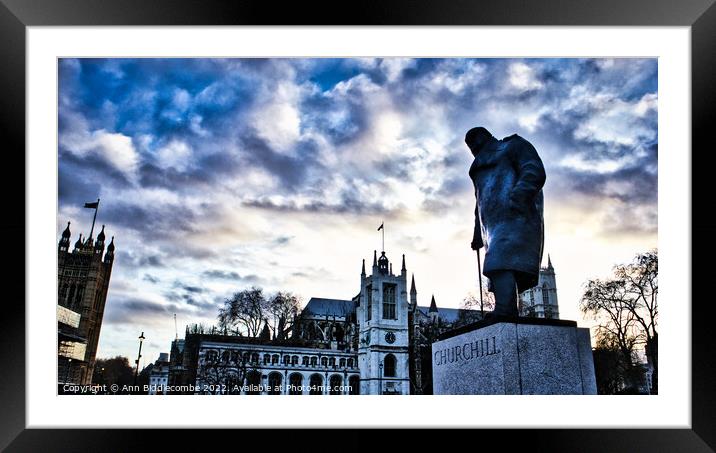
(473, 309)
(626, 308)
(283, 308)
(244, 310)
(226, 373)
(641, 282)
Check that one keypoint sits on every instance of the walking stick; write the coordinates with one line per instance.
(479, 276)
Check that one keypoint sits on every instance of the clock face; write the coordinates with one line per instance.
(390, 337)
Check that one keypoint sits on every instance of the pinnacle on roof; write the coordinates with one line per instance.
(433, 305)
(66, 233)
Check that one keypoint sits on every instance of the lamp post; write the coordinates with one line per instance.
(139, 356)
(67, 374)
(381, 377)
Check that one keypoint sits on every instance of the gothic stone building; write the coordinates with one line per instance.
(83, 278)
(376, 343)
(541, 301)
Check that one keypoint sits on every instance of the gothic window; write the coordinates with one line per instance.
(545, 294)
(369, 301)
(336, 382)
(389, 366)
(389, 301)
(338, 333)
(295, 383)
(80, 293)
(316, 382)
(354, 383)
(71, 297)
(253, 380)
(274, 382)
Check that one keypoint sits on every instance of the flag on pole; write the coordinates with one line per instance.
(380, 227)
(92, 205)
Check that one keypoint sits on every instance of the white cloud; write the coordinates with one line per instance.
(176, 154)
(114, 148)
(616, 121)
(522, 77)
(278, 120)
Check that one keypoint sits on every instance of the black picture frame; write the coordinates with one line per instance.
(16, 15)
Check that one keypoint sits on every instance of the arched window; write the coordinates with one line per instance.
(286, 359)
(389, 366)
(253, 380)
(274, 359)
(336, 382)
(304, 360)
(342, 363)
(274, 383)
(314, 361)
(294, 360)
(211, 356)
(332, 361)
(354, 383)
(295, 382)
(324, 361)
(267, 359)
(316, 382)
(545, 294)
(254, 358)
(225, 356)
(233, 387)
(350, 363)
(338, 333)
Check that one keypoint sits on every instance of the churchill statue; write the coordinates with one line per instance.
(508, 176)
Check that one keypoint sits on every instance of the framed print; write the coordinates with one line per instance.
(259, 208)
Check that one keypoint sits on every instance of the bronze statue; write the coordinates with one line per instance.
(508, 176)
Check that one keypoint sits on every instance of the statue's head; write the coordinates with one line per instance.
(476, 138)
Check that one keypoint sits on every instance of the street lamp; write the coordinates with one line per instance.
(381, 377)
(139, 356)
(67, 374)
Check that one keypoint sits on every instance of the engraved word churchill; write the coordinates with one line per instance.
(468, 351)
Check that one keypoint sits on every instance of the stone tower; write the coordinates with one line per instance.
(383, 329)
(83, 278)
(541, 301)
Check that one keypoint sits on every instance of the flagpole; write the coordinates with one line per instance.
(94, 218)
(383, 225)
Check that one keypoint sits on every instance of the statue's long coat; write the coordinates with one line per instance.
(508, 176)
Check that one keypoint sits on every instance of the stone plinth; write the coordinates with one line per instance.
(514, 356)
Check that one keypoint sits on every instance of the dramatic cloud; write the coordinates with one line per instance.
(219, 174)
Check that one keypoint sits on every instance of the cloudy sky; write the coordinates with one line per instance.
(216, 175)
